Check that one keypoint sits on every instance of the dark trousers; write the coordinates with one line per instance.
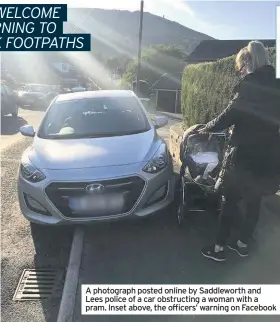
(231, 211)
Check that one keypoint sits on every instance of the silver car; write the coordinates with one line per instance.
(96, 156)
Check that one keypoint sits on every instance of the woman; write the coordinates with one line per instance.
(252, 161)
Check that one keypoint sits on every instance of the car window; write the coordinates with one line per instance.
(94, 117)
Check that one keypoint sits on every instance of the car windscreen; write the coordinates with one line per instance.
(94, 117)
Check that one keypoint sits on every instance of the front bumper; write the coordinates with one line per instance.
(142, 208)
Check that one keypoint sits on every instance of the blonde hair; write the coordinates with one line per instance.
(254, 56)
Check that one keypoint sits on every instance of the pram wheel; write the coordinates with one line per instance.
(181, 213)
(182, 209)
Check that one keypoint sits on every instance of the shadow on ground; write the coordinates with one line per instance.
(11, 125)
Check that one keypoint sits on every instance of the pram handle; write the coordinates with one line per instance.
(217, 133)
(210, 133)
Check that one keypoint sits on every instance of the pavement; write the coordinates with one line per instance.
(156, 251)
(149, 251)
(172, 116)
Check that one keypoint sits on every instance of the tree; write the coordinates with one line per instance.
(156, 60)
(112, 64)
(117, 65)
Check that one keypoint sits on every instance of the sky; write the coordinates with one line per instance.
(219, 19)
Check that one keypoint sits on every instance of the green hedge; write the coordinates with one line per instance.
(207, 88)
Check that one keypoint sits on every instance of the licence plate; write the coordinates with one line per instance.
(97, 204)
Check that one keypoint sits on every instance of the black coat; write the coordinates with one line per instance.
(254, 113)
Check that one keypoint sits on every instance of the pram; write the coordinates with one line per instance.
(201, 156)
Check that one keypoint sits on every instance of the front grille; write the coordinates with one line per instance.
(60, 193)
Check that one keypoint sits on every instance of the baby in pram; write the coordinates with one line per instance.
(201, 156)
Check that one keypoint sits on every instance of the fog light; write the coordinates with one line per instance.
(34, 205)
(159, 195)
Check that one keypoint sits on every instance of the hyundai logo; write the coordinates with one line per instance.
(95, 188)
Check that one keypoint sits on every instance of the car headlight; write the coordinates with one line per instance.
(159, 160)
(29, 172)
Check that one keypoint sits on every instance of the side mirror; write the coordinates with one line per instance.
(27, 130)
(160, 121)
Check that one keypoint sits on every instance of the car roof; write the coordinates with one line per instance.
(94, 94)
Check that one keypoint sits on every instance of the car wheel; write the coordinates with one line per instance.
(15, 113)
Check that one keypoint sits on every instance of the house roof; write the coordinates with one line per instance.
(212, 50)
(171, 81)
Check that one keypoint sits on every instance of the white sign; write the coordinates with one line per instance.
(180, 299)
